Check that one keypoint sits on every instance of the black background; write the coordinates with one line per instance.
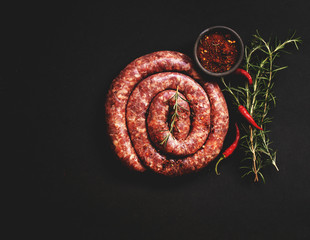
(62, 182)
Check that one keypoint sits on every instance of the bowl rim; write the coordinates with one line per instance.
(241, 54)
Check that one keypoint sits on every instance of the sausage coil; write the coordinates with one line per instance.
(138, 110)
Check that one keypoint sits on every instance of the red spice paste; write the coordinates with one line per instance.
(217, 52)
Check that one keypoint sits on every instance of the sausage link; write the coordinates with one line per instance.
(134, 146)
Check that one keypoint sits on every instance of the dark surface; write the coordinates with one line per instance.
(63, 181)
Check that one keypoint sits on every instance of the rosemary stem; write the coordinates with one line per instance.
(254, 155)
(230, 91)
(250, 106)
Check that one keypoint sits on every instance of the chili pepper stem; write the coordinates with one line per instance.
(216, 165)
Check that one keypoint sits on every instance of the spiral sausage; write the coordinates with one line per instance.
(137, 113)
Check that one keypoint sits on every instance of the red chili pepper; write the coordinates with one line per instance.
(241, 71)
(248, 117)
(230, 149)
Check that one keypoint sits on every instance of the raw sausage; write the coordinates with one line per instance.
(137, 113)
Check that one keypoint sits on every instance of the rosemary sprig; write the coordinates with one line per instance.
(176, 109)
(258, 98)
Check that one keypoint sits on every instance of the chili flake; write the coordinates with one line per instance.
(217, 52)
